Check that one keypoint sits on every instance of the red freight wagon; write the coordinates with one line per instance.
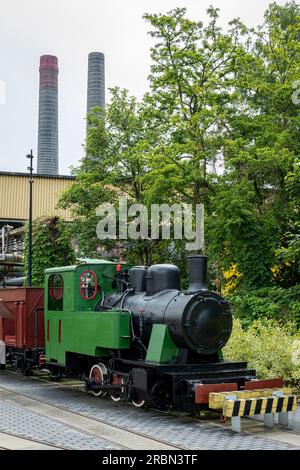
(22, 325)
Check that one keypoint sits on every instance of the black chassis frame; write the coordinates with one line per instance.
(165, 385)
(26, 358)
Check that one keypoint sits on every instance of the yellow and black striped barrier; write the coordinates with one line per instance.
(259, 406)
(265, 401)
(217, 399)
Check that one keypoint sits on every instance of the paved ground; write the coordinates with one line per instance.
(48, 415)
(11, 442)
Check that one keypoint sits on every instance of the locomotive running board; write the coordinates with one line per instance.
(187, 368)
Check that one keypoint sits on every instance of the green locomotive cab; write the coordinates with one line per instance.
(76, 334)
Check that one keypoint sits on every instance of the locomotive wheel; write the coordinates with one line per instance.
(117, 380)
(161, 396)
(135, 400)
(98, 373)
(138, 403)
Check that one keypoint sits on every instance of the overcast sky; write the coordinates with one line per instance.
(70, 29)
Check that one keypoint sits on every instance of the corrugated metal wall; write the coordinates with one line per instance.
(14, 196)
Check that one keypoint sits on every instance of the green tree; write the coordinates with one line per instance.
(115, 165)
(255, 210)
(192, 67)
(51, 246)
(287, 271)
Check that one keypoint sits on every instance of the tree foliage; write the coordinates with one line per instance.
(276, 303)
(115, 165)
(256, 210)
(51, 246)
(191, 74)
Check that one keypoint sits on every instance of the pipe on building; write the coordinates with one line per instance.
(3, 240)
(9, 268)
(8, 229)
(15, 282)
(10, 258)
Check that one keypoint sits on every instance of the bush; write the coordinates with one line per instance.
(274, 303)
(273, 350)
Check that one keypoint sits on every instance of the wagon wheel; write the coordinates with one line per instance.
(27, 371)
(117, 380)
(98, 373)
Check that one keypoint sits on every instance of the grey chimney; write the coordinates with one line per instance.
(96, 81)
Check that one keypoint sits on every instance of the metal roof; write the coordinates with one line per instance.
(89, 262)
(37, 175)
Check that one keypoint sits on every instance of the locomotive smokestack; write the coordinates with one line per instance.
(197, 273)
(47, 161)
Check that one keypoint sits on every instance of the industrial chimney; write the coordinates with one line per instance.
(47, 162)
(96, 81)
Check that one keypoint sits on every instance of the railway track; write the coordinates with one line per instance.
(122, 425)
(110, 436)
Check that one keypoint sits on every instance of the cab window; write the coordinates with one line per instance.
(88, 285)
(55, 292)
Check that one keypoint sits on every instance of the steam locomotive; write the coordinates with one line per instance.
(134, 335)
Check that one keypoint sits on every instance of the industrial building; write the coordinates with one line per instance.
(14, 196)
(14, 212)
